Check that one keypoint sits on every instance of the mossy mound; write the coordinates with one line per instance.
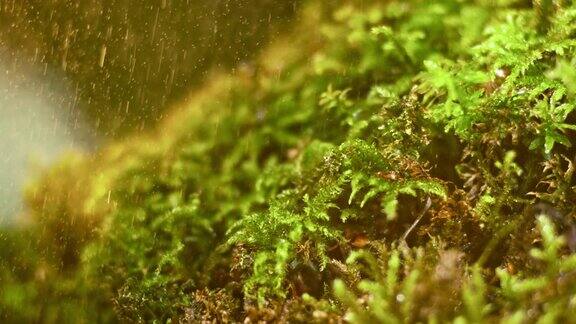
(405, 161)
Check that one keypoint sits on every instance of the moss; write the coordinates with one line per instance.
(399, 162)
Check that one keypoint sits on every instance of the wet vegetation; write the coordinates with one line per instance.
(384, 162)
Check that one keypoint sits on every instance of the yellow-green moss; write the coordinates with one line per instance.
(405, 161)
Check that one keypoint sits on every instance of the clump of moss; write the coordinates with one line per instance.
(394, 162)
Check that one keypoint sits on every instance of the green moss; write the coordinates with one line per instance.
(399, 162)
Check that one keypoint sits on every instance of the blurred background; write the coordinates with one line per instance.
(77, 73)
